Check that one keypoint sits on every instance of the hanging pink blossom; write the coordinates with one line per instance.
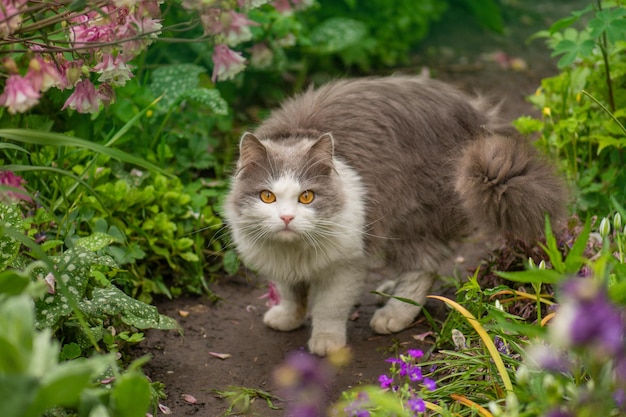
(10, 17)
(43, 75)
(19, 94)
(227, 63)
(211, 22)
(236, 28)
(84, 99)
(10, 179)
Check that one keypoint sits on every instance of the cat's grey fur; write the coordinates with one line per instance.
(400, 166)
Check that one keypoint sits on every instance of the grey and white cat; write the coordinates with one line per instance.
(376, 173)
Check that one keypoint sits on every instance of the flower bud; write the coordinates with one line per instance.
(495, 409)
(542, 264)
(521, 374)
(531, 263)
(512, 404)
(605, 227)
(617, 221)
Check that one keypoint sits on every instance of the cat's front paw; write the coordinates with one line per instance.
(323, 344)
(280, 318)
(391, 320)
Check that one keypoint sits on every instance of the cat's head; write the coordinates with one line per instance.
(284, 190)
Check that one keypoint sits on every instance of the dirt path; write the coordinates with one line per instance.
(503, 66)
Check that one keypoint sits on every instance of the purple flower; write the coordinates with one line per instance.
(502, 346)
(415, 353)
(303, 380)
(414, 373)
(385, 381)
(429, 384)
(416, 405)
(559, 413)
(588, 319)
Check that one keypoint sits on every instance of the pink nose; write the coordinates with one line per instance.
(287, 219)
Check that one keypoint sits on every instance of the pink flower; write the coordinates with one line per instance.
(43, 75)
(84, 99)
(211, 22)
(114, 71)
(251, 4)
(10, 17)
(19, 94)
(261, 56)
(272, 295)
(10, 179)
(106, 94)
(227, 63)
(283, 6)
(237, 28)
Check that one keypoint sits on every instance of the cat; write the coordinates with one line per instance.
(378, 172)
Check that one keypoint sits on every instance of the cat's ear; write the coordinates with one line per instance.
(250, 150)
(321, 153)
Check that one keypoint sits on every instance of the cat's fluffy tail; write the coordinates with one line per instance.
(507, 188)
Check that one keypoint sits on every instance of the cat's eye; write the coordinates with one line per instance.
(306, 197)
(267, 196)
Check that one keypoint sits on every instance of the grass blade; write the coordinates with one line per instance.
(56, 139)
(493, 351)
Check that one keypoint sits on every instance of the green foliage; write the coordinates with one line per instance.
(34, 382)
(352, 31)
(584, 106)
(565, 365)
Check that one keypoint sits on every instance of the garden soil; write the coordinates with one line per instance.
(225, 343)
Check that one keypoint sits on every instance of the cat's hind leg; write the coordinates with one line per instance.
(290, 312)
(397, 315)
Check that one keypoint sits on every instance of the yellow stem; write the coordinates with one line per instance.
(466, 401)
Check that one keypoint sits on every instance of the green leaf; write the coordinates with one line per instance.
(62, 386)
(95, 242)
(575, 259)
(71, 351)
(17, 393)
(611, 22)
(12, 282)
(171, 81)
(210, 97)
(336, 34)
(573, 45)
(10, 216)
(112, 301)
(231, 262)
(537, 276)
(131, 395)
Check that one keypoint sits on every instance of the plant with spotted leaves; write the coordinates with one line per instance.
(81, 303)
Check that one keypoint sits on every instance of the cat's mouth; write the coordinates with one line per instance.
(286, 233)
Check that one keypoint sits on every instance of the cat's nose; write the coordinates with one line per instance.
(287, 219)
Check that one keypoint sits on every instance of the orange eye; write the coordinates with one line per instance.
(267, 197)
(306, 197)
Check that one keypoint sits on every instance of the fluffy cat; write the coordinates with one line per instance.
(376, 173)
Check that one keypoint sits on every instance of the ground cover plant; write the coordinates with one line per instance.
(114, 152)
